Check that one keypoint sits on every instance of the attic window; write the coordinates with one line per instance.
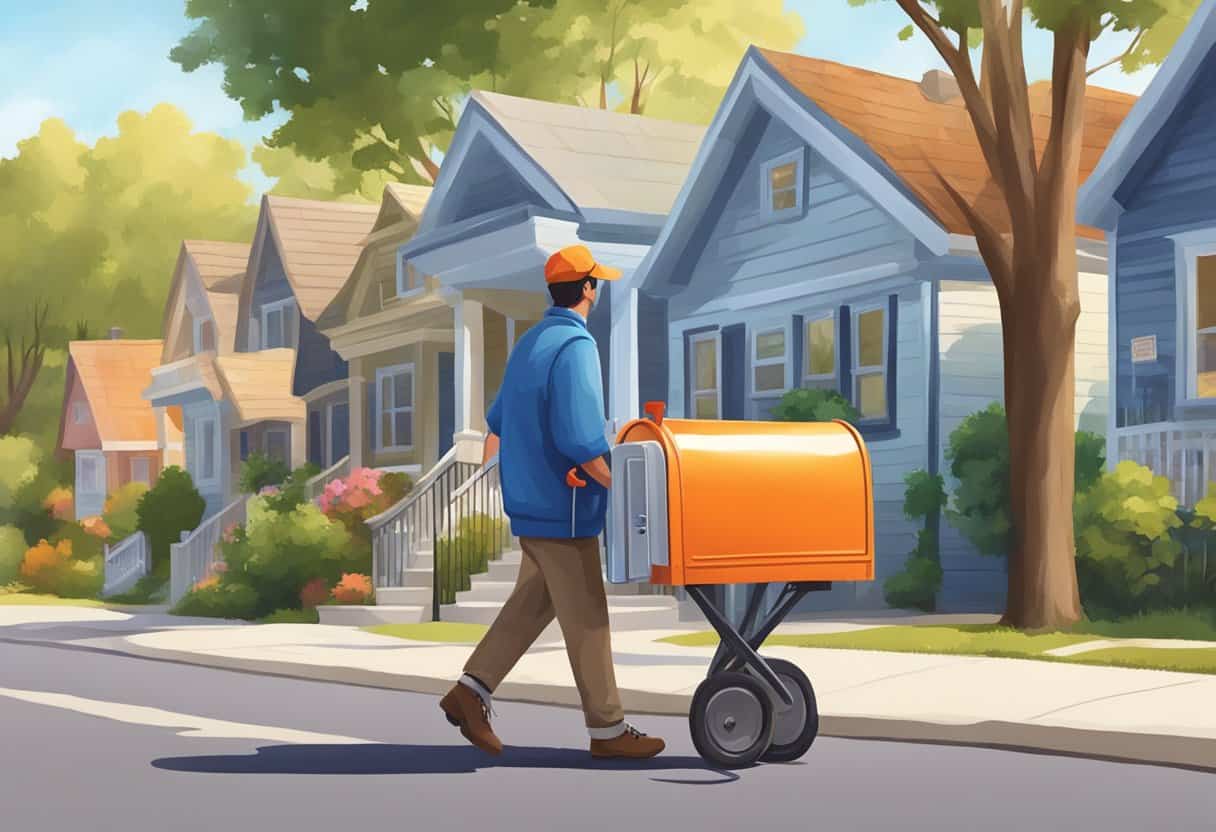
(409, 279)
(783, 185)
(80, 413)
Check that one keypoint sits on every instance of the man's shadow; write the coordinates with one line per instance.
(423, 759)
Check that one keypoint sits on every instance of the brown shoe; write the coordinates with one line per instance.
(468, 712)
(632, 744)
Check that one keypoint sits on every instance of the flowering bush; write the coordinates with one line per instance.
(362, 495)
(314, 593)
(207, 583)
(97, 527)
(353, 589)
(51, 568)
(59, 503)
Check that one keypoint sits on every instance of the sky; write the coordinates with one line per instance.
(86, 62)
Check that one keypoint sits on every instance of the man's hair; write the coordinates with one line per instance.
(569, 293)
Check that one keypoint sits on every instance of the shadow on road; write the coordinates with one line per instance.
(421, 759)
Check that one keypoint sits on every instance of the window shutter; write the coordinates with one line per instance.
(734, 371)
(798, 351)
(844, 352)
(892, 356)
(372, 416)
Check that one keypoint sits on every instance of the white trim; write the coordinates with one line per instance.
(327, 389)
(609, 733)
(802, 373)
(1112, 351)
(798, 159)
(401, 267)
(131, 445)
(280, 306)
(692, 391)
(200, 445)
(1188, 248)
(754, 331)
(858, 369)
(381, 410)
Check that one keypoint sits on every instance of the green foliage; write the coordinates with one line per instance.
(121, 509)
(458, 557)
(260, 470)
(171, 507)
(1123, 538)
(917, 585)
(813, 405)
(292, 491)
(306, 616)
(219, 600)
(19, 458)
(12, 552)
(58, 568)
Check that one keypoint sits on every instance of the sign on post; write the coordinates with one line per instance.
(1144, 349)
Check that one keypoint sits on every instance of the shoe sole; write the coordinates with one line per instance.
(455, 722)
(602, 756)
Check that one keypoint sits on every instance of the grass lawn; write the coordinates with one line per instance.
(452, 632)
(1197, 660)
(310, 616)
(29, 599)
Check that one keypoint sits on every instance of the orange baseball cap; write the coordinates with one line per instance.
(575, 263)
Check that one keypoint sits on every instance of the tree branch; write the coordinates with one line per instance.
(1119, 58)
(994, 248)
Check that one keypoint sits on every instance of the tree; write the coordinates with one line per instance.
(1033, 265)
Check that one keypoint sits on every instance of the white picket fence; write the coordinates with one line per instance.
(126, 562)
(194, 558)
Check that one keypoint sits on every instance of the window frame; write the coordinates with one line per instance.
(198, 334)
(798, 159)
(381, 411)
(146, 479)
(405, 269)
(714, 336)
(80, 413)
(97, 461)
(857, 369)
(1188, 248)
(754, 333)
(817, 379)
(280, 306)
(201, 457)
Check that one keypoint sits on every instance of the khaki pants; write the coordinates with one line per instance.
(557, 577)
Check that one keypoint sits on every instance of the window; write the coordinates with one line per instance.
(768, 361)
(409, 279)
(706, 387)
(80, 413)
(782, 186)
(204, 335)
(278, 445)
(141, 470)
(279, 325)
(395, 406)
(204, 449)
(1205, 327)
(819, 360)
(90, 472)
(870, 363)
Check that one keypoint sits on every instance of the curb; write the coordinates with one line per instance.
(1196, 753)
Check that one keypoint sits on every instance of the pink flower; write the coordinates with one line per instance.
(268, 491)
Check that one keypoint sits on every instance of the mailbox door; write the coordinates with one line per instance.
(638, 515)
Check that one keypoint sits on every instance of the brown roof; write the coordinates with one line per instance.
(319, 243)
(411, 198)
(114, 374)
(911, 133)
(222, 269)
(258, 384)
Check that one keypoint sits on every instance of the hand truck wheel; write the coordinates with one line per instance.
(795, 727)
(731, 720)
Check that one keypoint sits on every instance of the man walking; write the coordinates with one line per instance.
(547, 425)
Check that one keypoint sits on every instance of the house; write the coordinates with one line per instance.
(302, 254)
(521, 180)
(115, 436)
(813, 246)
(394, 328)
(1154, 193)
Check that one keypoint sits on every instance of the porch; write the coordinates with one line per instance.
(1184, 453)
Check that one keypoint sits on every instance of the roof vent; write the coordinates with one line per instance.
(115, 333)
(939, 86)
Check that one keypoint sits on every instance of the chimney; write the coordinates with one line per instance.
(939, 86)
(115, 333)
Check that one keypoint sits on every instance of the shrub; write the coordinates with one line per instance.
(314, 592)
(19, 458)
(59, 503)
(12, 553)
(917, 585)
(96, 527)
(219, 600)
(458, 557)
(978, 454)
(814, 405)
(1124, 543)
(260, 470)
(362, 495)
(170, 507)
(120, 512)
(353, 589)
(51, 568)
(289, 494)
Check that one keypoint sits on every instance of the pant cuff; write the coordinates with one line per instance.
(477, 688)
(609, 733)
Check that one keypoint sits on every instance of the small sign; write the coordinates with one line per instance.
(1144, 349)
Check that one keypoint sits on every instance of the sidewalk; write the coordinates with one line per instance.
(1133, 715)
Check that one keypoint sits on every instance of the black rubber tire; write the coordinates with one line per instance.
(721, 703)
(791, 741)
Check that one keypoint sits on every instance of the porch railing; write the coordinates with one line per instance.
(195, 557)
(472, 531)
(125, 563)
(1185, 456)
(315, 486)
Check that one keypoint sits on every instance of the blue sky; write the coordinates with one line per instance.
(86, 62)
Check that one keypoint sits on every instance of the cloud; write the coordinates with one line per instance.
(20, 118)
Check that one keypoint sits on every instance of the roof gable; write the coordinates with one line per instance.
(114, 374)
(215, 271)
(1098, 203)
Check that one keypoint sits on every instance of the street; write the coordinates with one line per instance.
(99, 741)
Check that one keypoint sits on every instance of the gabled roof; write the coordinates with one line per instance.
(398, 203)
(318, 243)
(1168, 89)
(913, 134)
(221, 267)
(258, 385)
(114, 374)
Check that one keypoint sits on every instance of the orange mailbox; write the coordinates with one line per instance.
(697, 503)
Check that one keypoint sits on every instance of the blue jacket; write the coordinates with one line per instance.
(549, 414)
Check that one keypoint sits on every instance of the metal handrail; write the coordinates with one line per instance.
(473, 527)
(315, 486)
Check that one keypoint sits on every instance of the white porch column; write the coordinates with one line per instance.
(357, 396)
(469, 327)
(623, 394)
(299, 444)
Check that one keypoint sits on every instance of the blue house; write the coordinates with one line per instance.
(814, 245)
(1155, 194)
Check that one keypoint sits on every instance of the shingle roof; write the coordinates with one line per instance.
(258, 385)
(411, 198)
(601, 159)
(319, 243)
(910, 132)
(114, 374)
(221, 266)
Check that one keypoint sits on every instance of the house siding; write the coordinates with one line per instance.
(316, 362)
(215, 492)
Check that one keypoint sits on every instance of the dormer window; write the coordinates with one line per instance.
(279, 325)
(204, 335)
(409, 280)
(80, 413)
(783, 185)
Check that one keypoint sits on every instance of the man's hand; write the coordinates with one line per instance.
(599, 471)
(490, 448)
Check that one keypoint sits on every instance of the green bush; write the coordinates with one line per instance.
(219, 600)
(19, 465)
(171, 507)
(478, 539)
(55, 568)
(1124, 541)
(917, 585)
(292, 491)
(814, 405)
(260, 470)
(120, 510)
(12, 552)
(978, 455)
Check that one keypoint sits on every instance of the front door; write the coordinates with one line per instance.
(446, 377)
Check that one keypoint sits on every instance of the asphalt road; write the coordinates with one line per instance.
(207, 749)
